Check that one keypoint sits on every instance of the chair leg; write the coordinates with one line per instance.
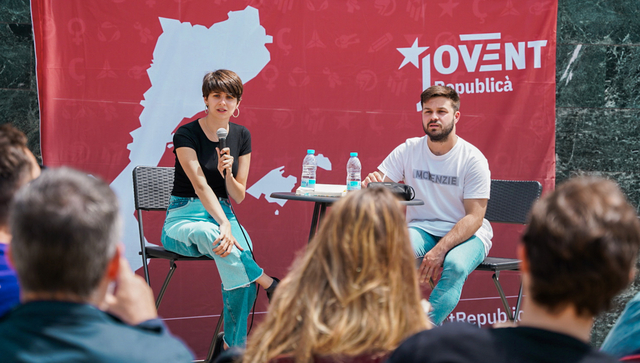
(505, 304)
(172, 269)
(215, 336)
(515, 318)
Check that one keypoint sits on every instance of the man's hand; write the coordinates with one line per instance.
(431, 265)
(373, 177)
(132, 301)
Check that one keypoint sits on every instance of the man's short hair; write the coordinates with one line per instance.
(581, 244)
(441, 91)
(15, 166)
(65, 227)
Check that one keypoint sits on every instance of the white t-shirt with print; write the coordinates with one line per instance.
(442, 182)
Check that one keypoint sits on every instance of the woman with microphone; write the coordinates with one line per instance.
(199, 218)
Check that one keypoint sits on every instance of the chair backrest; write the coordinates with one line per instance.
(152, 187)
(511, 200)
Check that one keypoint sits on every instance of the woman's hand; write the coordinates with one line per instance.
(225, 161)
(225, 241)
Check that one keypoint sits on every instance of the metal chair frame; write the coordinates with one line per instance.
(510, 202)
(152, 189)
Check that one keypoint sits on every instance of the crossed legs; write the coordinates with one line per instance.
(459, 262)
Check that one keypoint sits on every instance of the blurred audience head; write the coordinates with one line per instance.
(12, 136)
(353, 292)
(16, 167)
(65, 228)
(580, 246)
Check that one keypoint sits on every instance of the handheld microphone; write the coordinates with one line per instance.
(222, 141)
(222, 138)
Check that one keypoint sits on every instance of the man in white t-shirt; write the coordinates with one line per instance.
(452, 177)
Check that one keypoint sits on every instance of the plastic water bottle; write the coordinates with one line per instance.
(354, 169)
(309, 166)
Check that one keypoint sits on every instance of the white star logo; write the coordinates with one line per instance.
(411, 54)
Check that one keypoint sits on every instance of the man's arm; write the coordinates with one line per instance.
(392, 167)
(461, 231)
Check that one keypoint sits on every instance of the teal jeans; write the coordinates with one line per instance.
(189, 230)
(459, 262)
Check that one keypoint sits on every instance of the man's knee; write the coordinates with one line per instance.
(421, 242)
(455, 269)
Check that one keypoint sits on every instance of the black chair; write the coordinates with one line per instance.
(510, 202)
(152, 190)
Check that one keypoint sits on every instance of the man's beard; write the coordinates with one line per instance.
(439, 137)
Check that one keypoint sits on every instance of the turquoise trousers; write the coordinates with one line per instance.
(189, 230)
(459, 262)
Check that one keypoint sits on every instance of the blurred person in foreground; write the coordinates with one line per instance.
(14, 137)
(624, 338)
(17, 167)
(353, 296)
(578, 251)
(65, 231)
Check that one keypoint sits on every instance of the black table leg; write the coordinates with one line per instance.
(314, 220)
(323, 209)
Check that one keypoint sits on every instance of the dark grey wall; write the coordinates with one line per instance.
(18, 97)
(597, 95)
(598, 102)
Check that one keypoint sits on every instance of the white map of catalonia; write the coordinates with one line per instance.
(182, 56)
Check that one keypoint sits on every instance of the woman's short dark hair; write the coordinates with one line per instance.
(581, 244)
(222, 80)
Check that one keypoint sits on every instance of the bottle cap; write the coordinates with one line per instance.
(353, 154)
(311, 151)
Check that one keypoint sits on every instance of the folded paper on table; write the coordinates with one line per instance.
(325, 190)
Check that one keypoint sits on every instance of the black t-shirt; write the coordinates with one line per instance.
(192, 136)
(465, 343)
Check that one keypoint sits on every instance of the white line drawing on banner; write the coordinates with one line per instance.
(513, 53)
(275, 182)
(323, 162)
(181, 57)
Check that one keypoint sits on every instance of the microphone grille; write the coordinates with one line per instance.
(222, 133)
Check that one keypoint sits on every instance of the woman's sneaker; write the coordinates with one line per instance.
(271, 289)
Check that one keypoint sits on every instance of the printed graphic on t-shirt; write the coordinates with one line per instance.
(434, 178)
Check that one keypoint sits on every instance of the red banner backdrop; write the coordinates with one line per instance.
(116, 78)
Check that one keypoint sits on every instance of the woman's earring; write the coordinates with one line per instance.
(206, 108)
(234, 112)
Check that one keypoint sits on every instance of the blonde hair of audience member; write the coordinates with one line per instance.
(353, 292)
